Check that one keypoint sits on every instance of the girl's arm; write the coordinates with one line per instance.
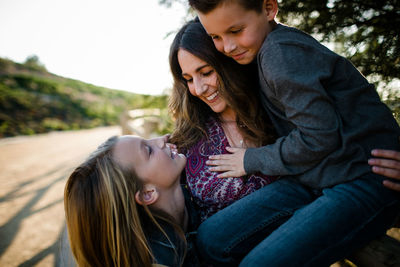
(387, 163)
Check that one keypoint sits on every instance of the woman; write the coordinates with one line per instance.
(124, 206)
(212, 111)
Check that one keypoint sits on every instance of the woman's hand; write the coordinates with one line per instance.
(231, 165)
(387, 163)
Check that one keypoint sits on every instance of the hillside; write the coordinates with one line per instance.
(33, 100)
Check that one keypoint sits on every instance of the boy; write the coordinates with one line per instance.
(329, 118)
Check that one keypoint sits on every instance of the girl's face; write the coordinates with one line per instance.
(201, 80)
(153, 160)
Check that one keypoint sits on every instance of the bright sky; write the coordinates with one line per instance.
(119, 44)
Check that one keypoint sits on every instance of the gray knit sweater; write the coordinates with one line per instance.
(328, 116)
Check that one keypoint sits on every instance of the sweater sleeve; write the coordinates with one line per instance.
(294, 75)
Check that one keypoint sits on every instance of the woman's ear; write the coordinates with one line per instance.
(147, 196)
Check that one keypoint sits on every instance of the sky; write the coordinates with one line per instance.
(119, 44)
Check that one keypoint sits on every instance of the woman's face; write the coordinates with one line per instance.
(153, 160)
(202, 80)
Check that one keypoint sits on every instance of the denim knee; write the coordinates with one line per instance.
(227, 236)
(210, 245)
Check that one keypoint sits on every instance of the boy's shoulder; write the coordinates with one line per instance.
(283, 34)
(282, 28)
(286, 50)
(285, 43)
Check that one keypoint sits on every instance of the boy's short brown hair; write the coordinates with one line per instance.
(205, 6)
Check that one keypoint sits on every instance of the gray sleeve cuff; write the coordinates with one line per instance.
(250, 161)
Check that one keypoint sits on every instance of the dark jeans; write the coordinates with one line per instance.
(288, 224)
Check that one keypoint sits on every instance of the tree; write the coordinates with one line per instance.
(32, 62)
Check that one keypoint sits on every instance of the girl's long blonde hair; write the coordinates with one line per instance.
(106, 226)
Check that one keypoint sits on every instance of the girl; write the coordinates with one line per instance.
(124, 206)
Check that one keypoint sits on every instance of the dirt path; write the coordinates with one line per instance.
(33, 172)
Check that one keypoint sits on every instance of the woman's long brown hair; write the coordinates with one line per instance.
(238, 85)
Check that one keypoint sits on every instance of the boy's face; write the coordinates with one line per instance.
(237, 32)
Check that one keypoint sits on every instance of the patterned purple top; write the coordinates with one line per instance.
(210, 193)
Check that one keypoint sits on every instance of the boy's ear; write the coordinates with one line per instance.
(147, 196)
(271, 8)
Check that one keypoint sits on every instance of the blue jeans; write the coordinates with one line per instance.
(289, 224)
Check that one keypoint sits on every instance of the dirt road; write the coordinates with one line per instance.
(33, 172)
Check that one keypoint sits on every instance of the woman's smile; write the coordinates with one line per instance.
(213, 97)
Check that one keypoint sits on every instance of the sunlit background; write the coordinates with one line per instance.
(49, 124)
(121, 44)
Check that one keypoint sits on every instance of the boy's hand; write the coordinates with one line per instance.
(388, 164)
(231, 165)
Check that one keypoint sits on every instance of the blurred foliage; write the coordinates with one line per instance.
(167, 125)
(392, 100)
(33, 63)
(33, 100)
(168, 3)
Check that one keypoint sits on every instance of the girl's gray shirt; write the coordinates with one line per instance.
(328, 115)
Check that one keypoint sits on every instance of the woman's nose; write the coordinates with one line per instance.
(160, 141)
(200, 88)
